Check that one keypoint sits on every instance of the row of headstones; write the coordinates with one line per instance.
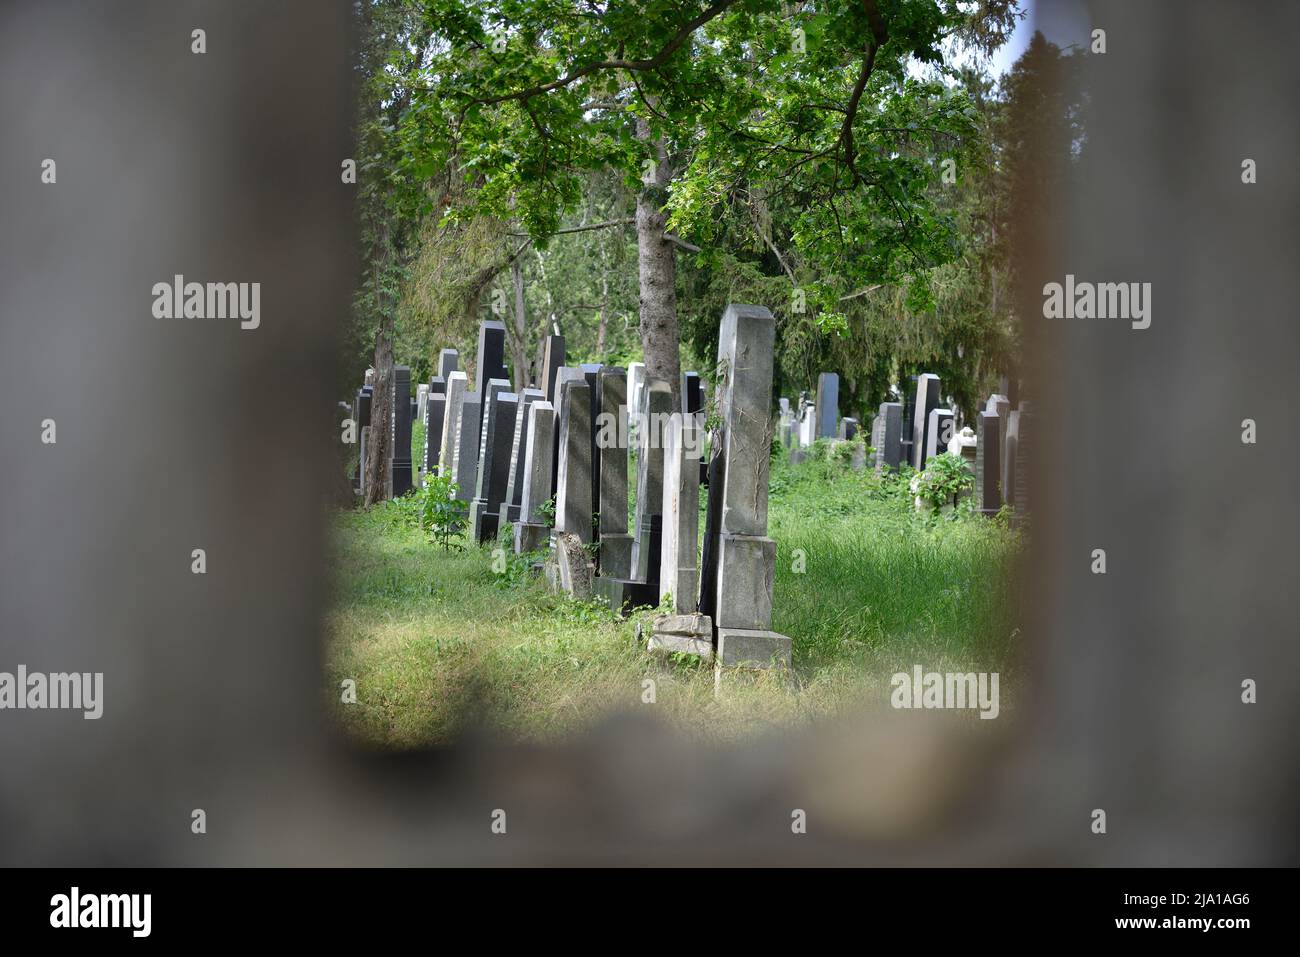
(919, 428)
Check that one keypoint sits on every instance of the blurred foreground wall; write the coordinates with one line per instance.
(174, 435)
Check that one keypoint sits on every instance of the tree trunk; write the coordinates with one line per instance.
(379, 451)
(657, 270)
(519, 335)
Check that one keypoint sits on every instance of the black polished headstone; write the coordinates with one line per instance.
(401, 434)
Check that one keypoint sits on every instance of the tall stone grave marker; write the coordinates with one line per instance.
(938, 433)
(927, 400)
(532, 528)
(469, 420)
(679, 562)
(493, 463)
(988, 498)
(573, 481)
(513, 502)
(435, 416)
(615, 555)
(491, 353)
(739, 558)
(457, 386)
(401, 434)
(552, 360)
(828, 405)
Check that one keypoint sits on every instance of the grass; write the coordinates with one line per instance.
(439, 643)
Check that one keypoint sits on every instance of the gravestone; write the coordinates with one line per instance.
(448, 362)
(692, 391)
(533, 526)
(433, 431)
(369, 378)
(491, 353)
(938, 433)
(361, 412)
(1002, 406)
(807, 426)
(927, 400)
(658, 399)
(494, 461)
(679, 563)
(573, 480)
(615, 555)
(738, 567)
(469, 420)
(421, 394)
(518, 455)
(988, 498)
(401, 434)
(828, 405)
(785, 426)
(437, 386)
(848, 428)
(552, 360)
(591, 373)
(457, 387)
(890, 454)
(635, 380)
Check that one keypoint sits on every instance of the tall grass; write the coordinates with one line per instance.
(442, 642)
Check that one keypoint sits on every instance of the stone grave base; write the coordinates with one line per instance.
(483, 522)
(752, 648)
(530, 537)
(688, 634)
(623, 595)
(616, 555)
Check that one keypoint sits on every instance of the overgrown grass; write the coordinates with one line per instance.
(441, 642)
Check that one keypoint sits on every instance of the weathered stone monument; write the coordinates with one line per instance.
(491, 353)
(927, 400)
(889, 443)
(738, 568)
(573, 480)
(448, 362)
(494, 461)
(828, 405)
(434, 417)
(465, 464)
(552, 360)
(938, 433)
(615, 556)
(679, 560)
(421, 394)
(457, 386)
(532, 529)
(401, 434)
(513, 503)
(785, 425)
(988, 498)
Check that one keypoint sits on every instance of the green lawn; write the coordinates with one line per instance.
(440, 642)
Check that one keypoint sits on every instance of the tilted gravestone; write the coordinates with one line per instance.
(493, 463)
(401, 434)
(927, 400)
(739, 560)
(457, 387)
(614, 559)
(468, 422)
(532, 528)
(988, 499)
(828, 405)
(518, 454)
(573, 480)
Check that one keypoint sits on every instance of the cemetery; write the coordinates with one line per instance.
(646, 414)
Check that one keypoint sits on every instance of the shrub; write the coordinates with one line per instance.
(944, 479)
